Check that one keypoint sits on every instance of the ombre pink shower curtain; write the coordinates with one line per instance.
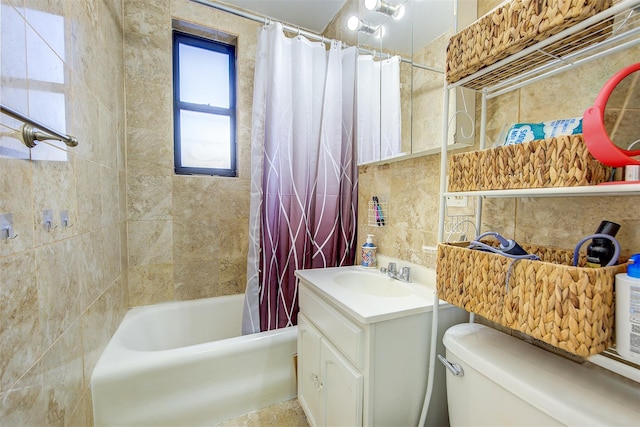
(304, 173)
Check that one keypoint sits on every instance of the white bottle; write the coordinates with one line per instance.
(628, 311)
(369, 253)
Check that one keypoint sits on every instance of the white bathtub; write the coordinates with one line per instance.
(186, 364)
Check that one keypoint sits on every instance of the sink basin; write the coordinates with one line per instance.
(369, 296)
(372, 283)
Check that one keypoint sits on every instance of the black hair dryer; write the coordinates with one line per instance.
(602, 250)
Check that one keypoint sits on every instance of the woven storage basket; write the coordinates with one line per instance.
(563, 161)
(512, 27)
(568, 307)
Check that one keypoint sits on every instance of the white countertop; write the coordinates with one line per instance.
(415, 297)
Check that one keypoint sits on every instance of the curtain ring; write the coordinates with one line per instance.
(298, 31)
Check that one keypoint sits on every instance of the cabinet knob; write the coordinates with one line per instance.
(316, 382)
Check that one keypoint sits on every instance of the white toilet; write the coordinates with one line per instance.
(505, 381)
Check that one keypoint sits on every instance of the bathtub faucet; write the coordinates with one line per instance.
(403, 275)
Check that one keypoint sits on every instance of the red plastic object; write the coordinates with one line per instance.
(594, 133)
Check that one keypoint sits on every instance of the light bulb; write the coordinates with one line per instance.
(399, 13)
(371, 4)
(356, 24)
(353, 23)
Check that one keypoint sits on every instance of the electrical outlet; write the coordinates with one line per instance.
(457, 201)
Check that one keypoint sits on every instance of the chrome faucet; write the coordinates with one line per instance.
(403, 275)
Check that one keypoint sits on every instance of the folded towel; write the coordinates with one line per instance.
(525, 132)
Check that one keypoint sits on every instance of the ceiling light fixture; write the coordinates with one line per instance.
(356, 24)
(396, 11)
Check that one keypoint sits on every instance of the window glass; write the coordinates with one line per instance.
(204, 76)
(205, 140)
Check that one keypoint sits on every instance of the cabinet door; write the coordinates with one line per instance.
(309, 381)
(342, 387)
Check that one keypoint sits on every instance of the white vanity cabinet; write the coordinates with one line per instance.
(331, 388)
(366, 367)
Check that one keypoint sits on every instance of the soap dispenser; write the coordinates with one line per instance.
(369, 253)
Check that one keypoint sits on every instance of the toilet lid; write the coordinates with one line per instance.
(572, 393)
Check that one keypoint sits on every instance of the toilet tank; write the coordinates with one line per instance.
(508, 382)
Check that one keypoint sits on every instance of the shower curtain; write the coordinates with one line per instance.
(304, 173)
(379, 117)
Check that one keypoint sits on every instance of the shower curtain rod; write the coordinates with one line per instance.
(298, 30)
(263, 20)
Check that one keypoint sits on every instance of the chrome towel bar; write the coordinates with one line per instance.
(30, 132)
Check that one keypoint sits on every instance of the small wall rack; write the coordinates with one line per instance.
(378, 214)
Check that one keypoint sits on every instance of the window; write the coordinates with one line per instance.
(204, 110)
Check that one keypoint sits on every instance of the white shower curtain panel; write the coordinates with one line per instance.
(379, 115)
(301, 119)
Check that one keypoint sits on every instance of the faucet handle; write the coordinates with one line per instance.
(392, 267)
(406, 273)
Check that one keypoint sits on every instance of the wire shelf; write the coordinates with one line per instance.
(615, 28)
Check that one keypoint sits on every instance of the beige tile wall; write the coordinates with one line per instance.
(62, 292)
(188, 235)
(411, 186)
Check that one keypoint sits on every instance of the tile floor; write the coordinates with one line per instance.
(285, 414)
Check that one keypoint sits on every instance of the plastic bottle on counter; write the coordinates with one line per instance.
(628, 311)
(369, 253)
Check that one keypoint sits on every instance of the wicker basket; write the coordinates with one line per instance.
(512, 27)
(568, 307)
(563, 161)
